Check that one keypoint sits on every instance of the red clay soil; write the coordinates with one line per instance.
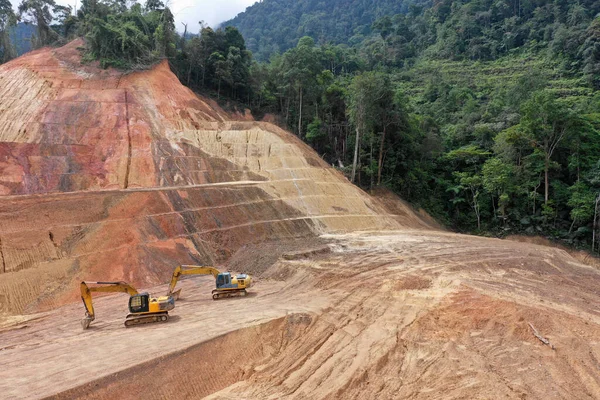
(112, 176)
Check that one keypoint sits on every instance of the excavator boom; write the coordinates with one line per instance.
(189, 270)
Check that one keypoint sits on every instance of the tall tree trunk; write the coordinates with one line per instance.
(595, 226)
(546, 188)
(476, 207)
(372, 177)
(182, 39)
(380, 164)
(300, 117)
(355, 155)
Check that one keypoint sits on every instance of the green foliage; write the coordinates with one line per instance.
(216, 60)
(127, 38)
(590, 52)
(484, 112)
(316, 135)
(582, 202)
(274, 26)
(42, 13)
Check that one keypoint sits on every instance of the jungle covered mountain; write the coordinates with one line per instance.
(272, 26)
(486, 113)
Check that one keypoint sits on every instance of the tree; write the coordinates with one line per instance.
(548, 124)
(300, 68)
(364, 96)
(39, 12)
(590, 53)
(7, 20)
(498, 177)
(120, 39)
(394, 115)
(594, 181)
(164, 34)
(582, 203)
(472, 184)
(222, 70)
(154, 5)
(316, 135)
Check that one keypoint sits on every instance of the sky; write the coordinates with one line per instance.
(212, 12)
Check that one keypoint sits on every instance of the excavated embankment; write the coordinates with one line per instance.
(111, 176)
(411, 314)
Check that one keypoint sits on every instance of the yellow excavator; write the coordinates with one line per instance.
(143, 308)
(227, 285)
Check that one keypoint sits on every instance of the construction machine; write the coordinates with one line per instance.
(227, 284)
(143, 309)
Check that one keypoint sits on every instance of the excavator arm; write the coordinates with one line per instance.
(106, 287)
(189, 270)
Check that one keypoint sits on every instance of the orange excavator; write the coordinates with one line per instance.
(143, 309)
(227, 285)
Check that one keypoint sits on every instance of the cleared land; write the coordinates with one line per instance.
(106, 176)
(382, 315)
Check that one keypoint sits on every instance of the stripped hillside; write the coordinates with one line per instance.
(113, 176)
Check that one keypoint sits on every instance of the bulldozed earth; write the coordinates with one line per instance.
(106, 176)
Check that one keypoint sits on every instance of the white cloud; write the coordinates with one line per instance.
(212, 12)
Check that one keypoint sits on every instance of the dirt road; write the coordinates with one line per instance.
(53, 353)
(407, 314)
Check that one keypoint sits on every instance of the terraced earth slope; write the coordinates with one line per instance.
(120, 177)
(112, 176)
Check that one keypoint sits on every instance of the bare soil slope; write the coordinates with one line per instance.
(112, 176)
(396, 314)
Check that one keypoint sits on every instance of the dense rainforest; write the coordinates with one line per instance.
(486, 112)
(274, 26)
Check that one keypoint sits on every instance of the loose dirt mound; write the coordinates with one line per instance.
(580, 255)
(112, 176)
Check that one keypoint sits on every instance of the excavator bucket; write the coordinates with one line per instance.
(175, 294)
(85, 322)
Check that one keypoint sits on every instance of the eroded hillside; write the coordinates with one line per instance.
(111, 176)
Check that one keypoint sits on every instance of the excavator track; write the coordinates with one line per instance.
(225, 293)
(140, 319)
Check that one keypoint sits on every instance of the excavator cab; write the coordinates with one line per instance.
(139, 303)
(223, 280)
